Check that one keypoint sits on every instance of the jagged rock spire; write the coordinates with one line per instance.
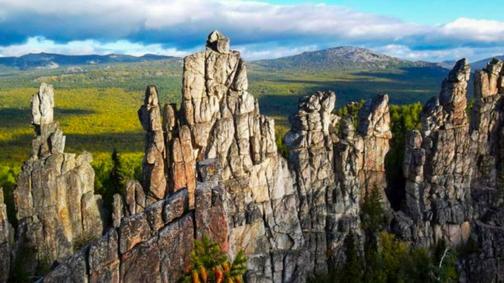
(154, 160)
(453, 96)
(42, 105)
(218, 42)
(488, 82)
(374, 127)
(487, 122)
(438, 166)
(49, 138)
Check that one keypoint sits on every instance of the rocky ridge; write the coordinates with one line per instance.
(212, 168)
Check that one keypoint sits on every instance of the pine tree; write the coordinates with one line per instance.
(116, 174)
(211, 265)
(352, 270)
(373, 214)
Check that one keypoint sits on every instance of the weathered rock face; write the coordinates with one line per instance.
(311, 159)
(438, 166)
(6, 240)
(222, 120)
(485, 264)
(154, 160)
(488, 116)
(152, 245)
(335, 167)
(374, 127)
(55, 202)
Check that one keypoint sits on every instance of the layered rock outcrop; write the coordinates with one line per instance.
(438, 166)
(485, 263)
(56, 207)
(374, 128)
(220, 119)
(155, 244)
(6, 240)
(335, 168)
(311, 159)
(487, 122)
(155, 154)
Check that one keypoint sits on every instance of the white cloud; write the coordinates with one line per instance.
(471, 53)
(247, 20)
(475, 29)
(182, 24)
(257, 52)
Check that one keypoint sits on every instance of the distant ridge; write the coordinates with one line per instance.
(343, 58)
(51, 61)
(478, 65)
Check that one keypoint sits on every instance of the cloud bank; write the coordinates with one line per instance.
(258, 29)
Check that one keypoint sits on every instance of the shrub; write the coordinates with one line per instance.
(209, 264)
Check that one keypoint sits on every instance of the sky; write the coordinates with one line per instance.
(429, 30)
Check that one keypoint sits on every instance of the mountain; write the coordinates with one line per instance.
(341, 58)
(51, 61)
(478, 65)
(447, 64)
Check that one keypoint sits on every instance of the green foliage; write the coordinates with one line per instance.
(210, 264)
(403, 118)
(353, 268)
(387, 259)
(351, 110)
(394, 261)
(8, 176)
(446, 258)
(372, 212)
(111, 175)
(280, 132)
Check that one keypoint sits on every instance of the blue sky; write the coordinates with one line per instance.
(431, 30)
(419, 11)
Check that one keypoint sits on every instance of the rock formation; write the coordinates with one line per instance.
(154, 160)
(487, 122)
(212, 168)
(291, 221)
(374, 127)
(311, 159)
(220, 119)
(335, 167)
(55, 203)
(6, 240)
(485, 264)
(151, 245)
(438, 166)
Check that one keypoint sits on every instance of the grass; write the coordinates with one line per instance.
(93, 119)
